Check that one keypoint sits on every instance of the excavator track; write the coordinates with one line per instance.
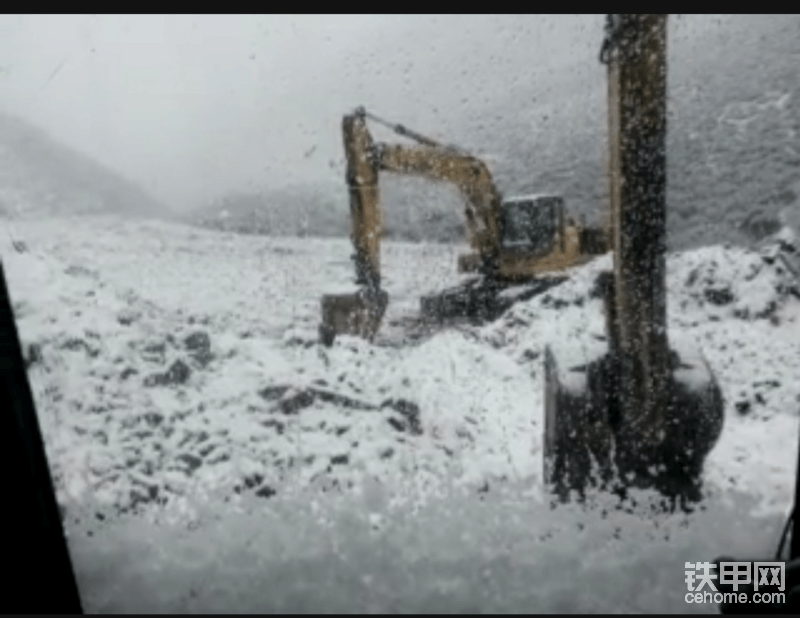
(482, 300)
(460, 307)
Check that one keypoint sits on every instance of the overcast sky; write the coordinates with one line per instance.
(194, 106)
(197, 105)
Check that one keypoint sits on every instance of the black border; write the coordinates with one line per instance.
(38, 576)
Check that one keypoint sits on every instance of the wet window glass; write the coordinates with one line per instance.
(291, 350)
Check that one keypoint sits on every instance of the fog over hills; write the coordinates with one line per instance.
(733, 143)
(531, 103)
(40, 177)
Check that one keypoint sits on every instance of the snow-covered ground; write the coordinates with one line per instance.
(175, 367)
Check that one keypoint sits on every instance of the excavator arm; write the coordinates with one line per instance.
(429, 159)
(365, 215)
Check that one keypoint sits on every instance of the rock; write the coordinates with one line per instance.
(206, 450)
(719, 295)
(198, 344)
(410, 413)
(271, 393)
(692, 278)
(743, 407)
(153, 419)
(597, 290)
(555, 303)
(787, 246)
(75, 343)
(277, 425)
(157, 347)
(341, 400)
(176, 481)
(265, 491)
(397, 424)
(768, 311)
(531, 355)
(769, 383)
(770, 253)
(154, 351)
(126, 317)
(33, 354)
(291, 400)
(296, 402)
(253, 480)
(192, 461)
(178, 373)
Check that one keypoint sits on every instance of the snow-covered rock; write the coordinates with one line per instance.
(258, 407)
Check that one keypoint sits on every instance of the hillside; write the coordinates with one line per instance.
(733, 151)
(40, 177)
(733, 146)
(279, 211)
(414, 209)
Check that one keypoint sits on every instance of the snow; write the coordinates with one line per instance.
(140, 417)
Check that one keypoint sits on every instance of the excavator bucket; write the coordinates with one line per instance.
(358, 314)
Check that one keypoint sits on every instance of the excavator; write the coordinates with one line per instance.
(526, 239)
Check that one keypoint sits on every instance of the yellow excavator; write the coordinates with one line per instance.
(513, 241)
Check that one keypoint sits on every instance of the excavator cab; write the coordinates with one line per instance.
(531, 223)
(531, 226)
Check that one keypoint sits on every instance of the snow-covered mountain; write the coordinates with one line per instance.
(40, 177)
